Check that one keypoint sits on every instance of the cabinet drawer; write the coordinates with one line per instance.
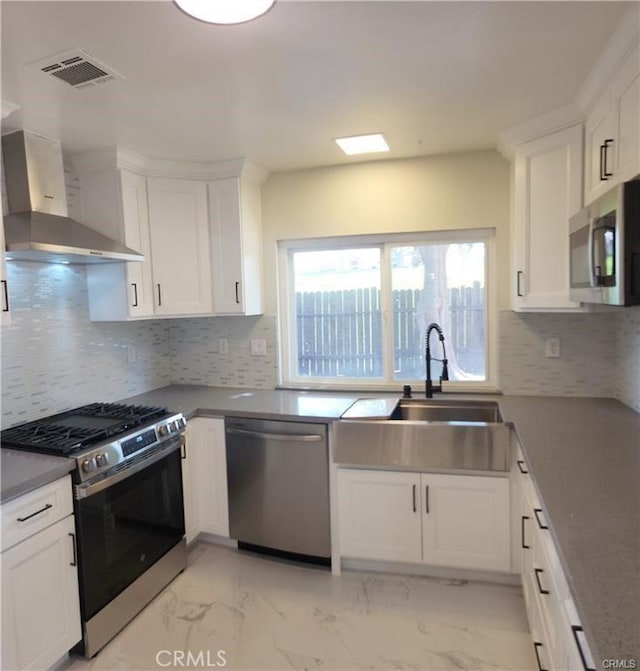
(35, 511)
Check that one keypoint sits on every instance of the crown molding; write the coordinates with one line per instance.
(532, 129)
(114, 158)
(625, 37)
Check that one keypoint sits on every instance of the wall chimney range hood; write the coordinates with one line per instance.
(37, 227)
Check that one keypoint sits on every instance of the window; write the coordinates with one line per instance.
(354, 311)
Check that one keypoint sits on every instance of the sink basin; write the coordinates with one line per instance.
(426, 434)
(427, 410)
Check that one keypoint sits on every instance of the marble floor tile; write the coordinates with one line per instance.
(235, 610)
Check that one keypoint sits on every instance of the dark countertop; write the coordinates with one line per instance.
(22, 472)
(583, 453)
(191, 400)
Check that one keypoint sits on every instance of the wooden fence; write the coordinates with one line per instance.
(340, 332)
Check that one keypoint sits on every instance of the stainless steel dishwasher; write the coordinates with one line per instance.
(278, 479)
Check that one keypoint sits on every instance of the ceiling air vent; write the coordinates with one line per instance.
(77, 68)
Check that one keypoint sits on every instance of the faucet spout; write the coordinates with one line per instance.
(430, 388)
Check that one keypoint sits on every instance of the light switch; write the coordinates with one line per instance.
(552, 348)
(258, 347)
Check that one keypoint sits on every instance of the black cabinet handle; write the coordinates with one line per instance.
(537, 645)
(414, 499)
(135, 295)
(605, 147)
(28, 517)
(426, 496)
(519, 274)
(538, 571)
(536, 512)
(73, 545)
(237, 295)
(5, 296)
(159, 295)
(602, 160)
(575, 629)
(524, 546)
(521, 467)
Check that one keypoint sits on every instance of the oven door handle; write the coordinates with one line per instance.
(87, 489)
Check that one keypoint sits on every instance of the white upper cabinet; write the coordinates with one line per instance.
(546, 192)
(115, 201)
(612, 127)
(236, 246)
(198, 225)
(180, 255)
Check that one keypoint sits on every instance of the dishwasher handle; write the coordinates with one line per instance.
(294, 437)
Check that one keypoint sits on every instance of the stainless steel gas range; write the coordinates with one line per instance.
(128, 505)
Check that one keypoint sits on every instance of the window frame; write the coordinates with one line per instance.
(287, 350)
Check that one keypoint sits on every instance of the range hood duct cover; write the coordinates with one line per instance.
(38, 228)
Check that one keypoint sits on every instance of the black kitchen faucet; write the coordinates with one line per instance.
(430, 388)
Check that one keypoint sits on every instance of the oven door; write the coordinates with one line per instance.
(125, 527)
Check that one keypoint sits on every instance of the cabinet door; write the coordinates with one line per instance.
(379, 515)
(625, 106)
(40, 606)
(115, 201)
(599, 139)
(236, 246)
(465, 522)
(205, 479)
(547, 192)
(180, 246)
(4, 287)
(135, 217)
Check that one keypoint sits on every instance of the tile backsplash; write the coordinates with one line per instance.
(628, 357)
(54, 358)
(196, 356)
(587, 362)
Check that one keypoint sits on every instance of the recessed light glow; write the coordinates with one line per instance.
(225, 12)
(65, 263)
(362, 144)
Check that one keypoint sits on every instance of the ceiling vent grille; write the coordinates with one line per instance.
(77, 68)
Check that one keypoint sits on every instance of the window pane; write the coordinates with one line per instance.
(443, 284)
(337, 311)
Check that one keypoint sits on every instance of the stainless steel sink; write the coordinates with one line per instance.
(428, 410)
(425, 435)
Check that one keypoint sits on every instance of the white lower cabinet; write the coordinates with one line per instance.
(40, 604)
(204, 478)
(556, 630)
(445, 520)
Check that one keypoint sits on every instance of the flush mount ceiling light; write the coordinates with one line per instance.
(362, 144)
(225, 12)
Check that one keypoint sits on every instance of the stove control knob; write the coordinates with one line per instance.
(162, 430)
(181, 423)
(89, 465)
(172, 427)
(102, 460)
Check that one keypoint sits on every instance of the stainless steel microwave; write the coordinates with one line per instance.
(604, 244)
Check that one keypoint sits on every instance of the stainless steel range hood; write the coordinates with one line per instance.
(37, 227)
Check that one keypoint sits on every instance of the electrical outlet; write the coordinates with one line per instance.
(259, 347)
(223, 346)
(552, 348)
(131, 354)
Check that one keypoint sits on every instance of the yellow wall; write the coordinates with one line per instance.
(466, 190)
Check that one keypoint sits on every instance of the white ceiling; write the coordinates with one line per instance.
(435, 77)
